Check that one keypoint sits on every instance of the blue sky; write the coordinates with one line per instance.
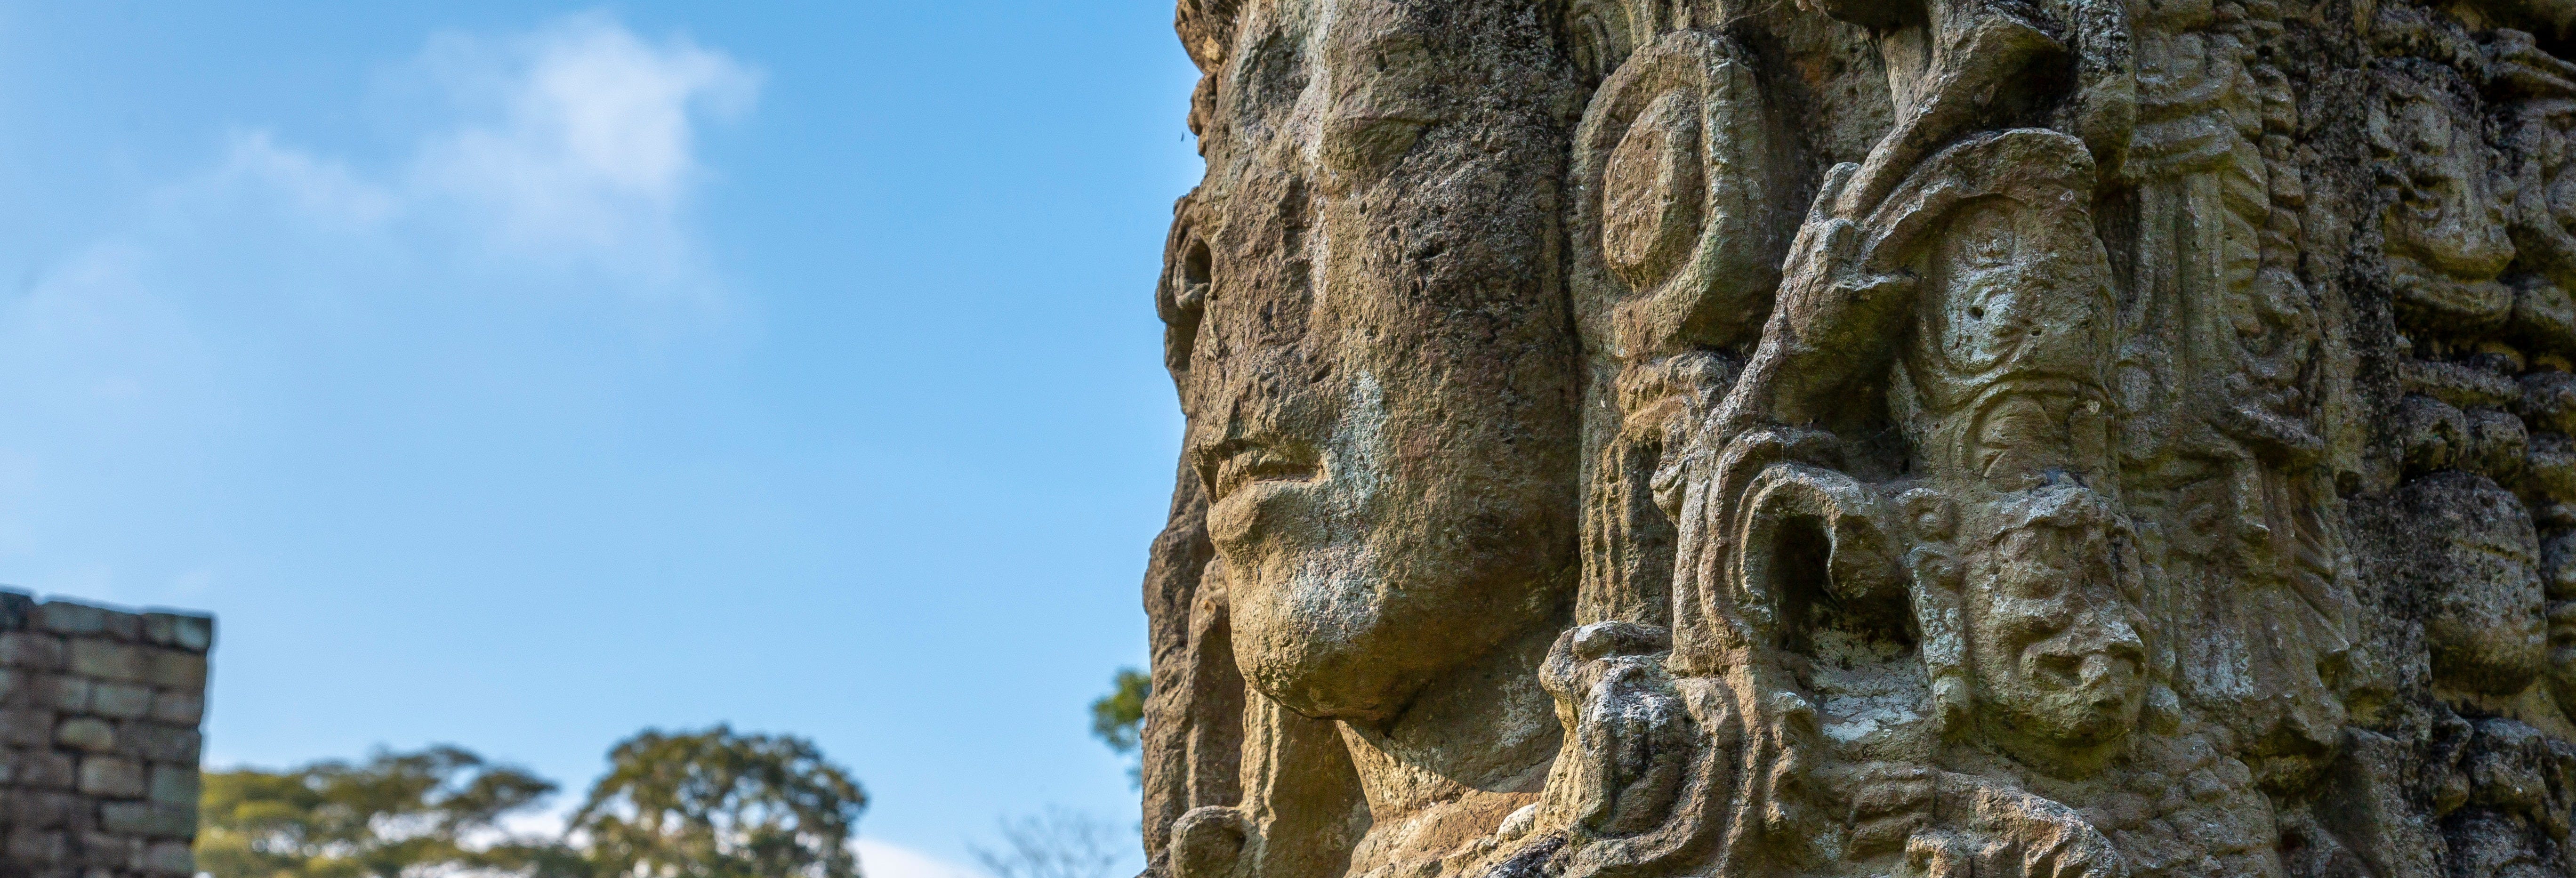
(522, 374)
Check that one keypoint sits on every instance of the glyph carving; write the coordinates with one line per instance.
(1871, 437)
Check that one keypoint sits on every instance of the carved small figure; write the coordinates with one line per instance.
(2052, 624)
(2447, 238)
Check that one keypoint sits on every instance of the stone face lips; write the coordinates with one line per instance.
(98, 739)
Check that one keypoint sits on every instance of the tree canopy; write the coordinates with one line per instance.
(394, 815)
(708, 804)
(716, 804)
(1118, 718)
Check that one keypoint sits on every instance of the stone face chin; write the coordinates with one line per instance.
(1673, 438)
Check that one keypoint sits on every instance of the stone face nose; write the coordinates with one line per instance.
(2099, 652)
(2107, 677)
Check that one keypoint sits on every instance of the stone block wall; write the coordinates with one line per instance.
(99, 711)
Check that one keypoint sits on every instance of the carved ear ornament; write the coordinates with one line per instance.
(1675, 173)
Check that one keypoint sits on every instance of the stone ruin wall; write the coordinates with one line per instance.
(1898, 437)
(99, 711)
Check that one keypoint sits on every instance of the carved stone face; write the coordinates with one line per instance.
(2542, 136)
(2447, 217)
(1387, 425)
(2010, 364)
(2053, 635)
(2486, 625)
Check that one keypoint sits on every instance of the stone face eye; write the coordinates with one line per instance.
(1366, 144)
(2035, 558)
(1384, 92)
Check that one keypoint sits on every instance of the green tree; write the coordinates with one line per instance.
(397, 815)
(1118, 718)
(716, 804)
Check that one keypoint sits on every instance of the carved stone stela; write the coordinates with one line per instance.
(1871, 438)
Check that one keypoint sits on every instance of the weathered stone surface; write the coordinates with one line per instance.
(46, 770)
(174, 785)
(173, 669)
(120, 700)
(15, 610)
(31, 650)
(192, 633)
(170, 858)
(160, 743)
(65, 617)
(71, 694)
(178, 707)
(1870, 437)
(98, 739)
(102, 659)
(26, 726)
(149, 819)
(111, 777)
(87, 734)
(38, 847)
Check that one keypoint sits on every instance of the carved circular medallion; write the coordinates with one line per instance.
(1651, 192)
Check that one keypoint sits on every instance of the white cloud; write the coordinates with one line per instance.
(323, 188)
(592, 148)
(541, 185)
(881, 860)
(572, 147)
(103, 338)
